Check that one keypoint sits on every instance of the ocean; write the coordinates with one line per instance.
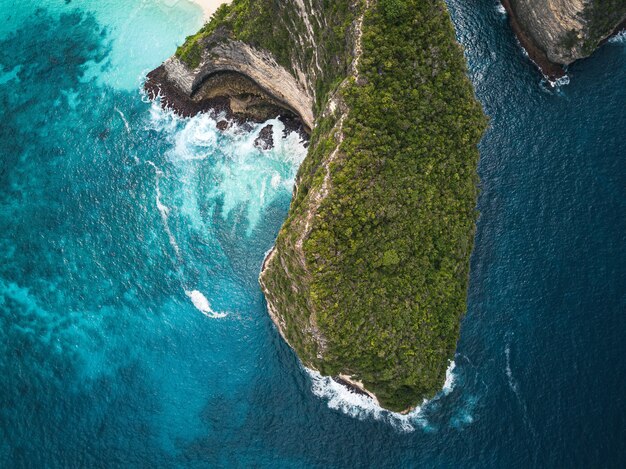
(133, 332)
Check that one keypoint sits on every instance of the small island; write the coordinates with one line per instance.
(368, 278)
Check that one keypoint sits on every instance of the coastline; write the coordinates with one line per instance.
(617, 30)
(157, 85)
(346, 381)
(549, 69)
(213, 63)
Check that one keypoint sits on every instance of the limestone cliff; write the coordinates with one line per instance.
(559, 32)
(367, 281)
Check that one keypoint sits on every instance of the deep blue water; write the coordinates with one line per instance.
(114, 216)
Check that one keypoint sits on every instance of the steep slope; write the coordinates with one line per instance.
(368, 277)
(559, 32)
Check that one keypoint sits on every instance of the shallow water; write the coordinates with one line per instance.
(133, 332)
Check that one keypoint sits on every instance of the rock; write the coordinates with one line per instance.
(249, 80)
(265, 139)
(223, 125)
(556, 33)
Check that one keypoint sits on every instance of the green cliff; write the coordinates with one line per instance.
(368, 277)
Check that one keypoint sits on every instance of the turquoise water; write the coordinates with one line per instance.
(132, 329)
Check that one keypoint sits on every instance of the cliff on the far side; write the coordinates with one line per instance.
(559, 32)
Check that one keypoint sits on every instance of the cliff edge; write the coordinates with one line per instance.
(558, 32)
(367, 281)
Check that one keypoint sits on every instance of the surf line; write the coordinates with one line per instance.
(200, 302)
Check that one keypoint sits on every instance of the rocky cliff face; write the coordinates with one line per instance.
(258, 59)
(559, 32)
(368, 277)
(249, 81)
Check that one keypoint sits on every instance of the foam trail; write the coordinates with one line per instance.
(202, 304)
(197, 298)
(515, 388)
(164, 210)
(507, 369)
(126, 124)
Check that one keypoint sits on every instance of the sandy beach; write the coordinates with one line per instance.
(209, 6)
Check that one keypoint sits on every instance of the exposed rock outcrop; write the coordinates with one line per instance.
(265, 140)
(556, 33)
(232, 76)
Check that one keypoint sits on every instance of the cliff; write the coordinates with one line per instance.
(368, 277)
(559, 32)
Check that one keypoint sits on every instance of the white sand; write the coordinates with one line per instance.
(209, 6)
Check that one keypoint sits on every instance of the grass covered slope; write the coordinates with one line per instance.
(369, 274)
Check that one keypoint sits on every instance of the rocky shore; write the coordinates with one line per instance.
(549, 69)
(233, 78)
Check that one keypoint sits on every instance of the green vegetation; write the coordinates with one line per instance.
(273, 26)
(379, 287)
(387, 261)
(191, 51)
(602, 16)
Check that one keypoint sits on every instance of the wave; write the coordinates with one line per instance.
(202, 304)
(500, 9)
(619, 38)
(241, 174)
(564, 80)
(362, 407)
(448, 385)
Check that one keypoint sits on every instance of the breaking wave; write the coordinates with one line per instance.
(242, 174)
(204, 170)
(363, 407)
(619, 38)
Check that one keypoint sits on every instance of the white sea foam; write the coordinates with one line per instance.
(196, 140)
(619, 38)
(362, 407)
(359, 406)
(500, 9)
(448, 385)
(241, 174)
(164, 210)
(202, 304)
(564, 80)
(507, 369)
